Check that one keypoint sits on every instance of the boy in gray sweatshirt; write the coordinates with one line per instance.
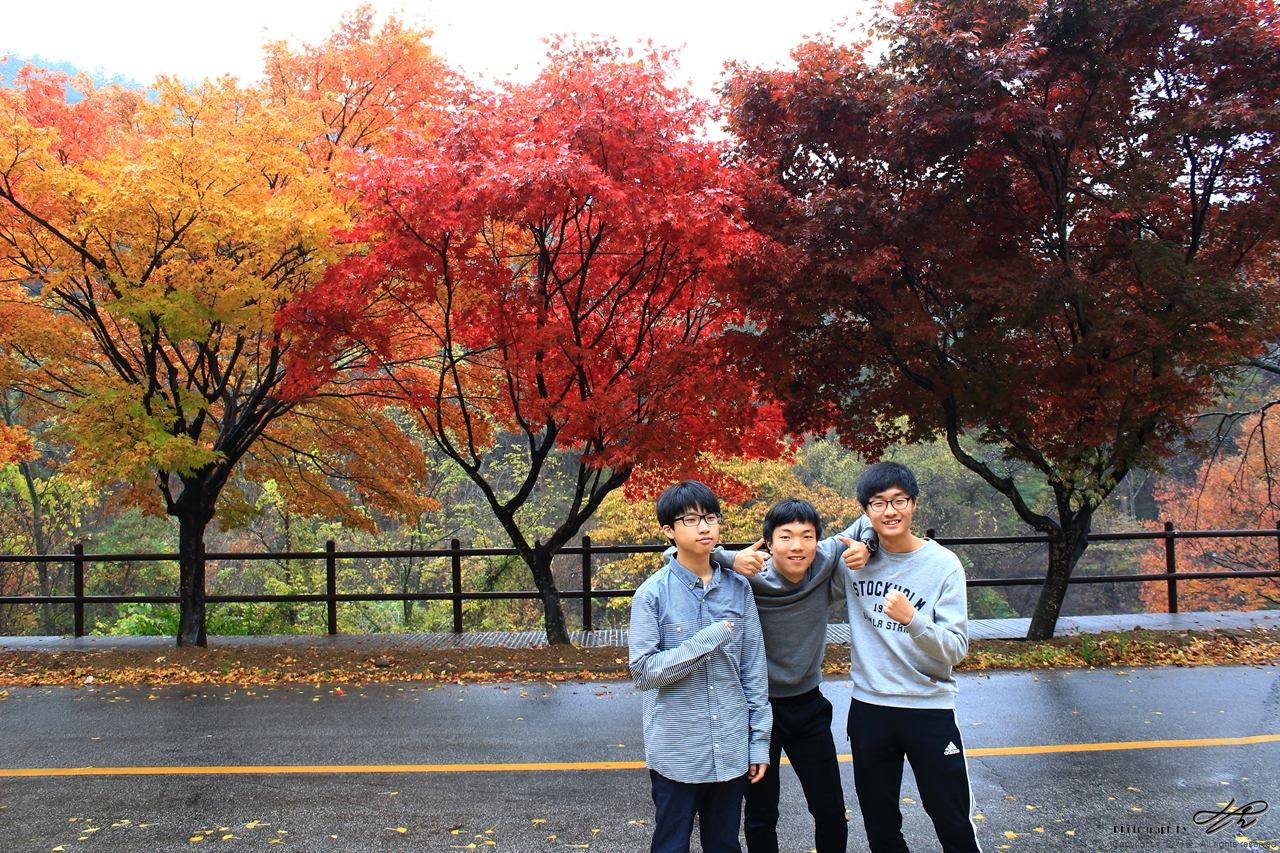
(794, 589)
(908, 626)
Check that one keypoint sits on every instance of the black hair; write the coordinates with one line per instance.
(883, 476)
(791, 511)
(684, 497)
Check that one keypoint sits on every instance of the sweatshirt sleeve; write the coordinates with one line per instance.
(831, 553)
(653, 667)
(755, 685)
(945, 636)
(862, 531)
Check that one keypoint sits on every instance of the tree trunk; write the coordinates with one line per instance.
(191, 592)
(552, 608)
(1065, 550)
(41, 546)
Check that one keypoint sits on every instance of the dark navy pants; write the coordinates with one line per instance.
(718, 806)
(801, 728)
(880, 735)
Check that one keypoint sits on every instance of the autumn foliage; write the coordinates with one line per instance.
(1050, 227)
(1045, 229)
(1232, 491)
(558, 262)
(148, 241)
(362, 82)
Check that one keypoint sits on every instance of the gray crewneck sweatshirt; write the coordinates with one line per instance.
(907, 666)
(793, 616)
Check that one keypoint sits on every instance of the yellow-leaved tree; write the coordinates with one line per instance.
(163, 234)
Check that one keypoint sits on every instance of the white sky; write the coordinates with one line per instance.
(193, 40)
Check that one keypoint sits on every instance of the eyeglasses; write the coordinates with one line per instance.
(880, 505)
(712, 520)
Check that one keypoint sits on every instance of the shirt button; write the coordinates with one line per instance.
(713, 716)
(712, 687)
(717, 746)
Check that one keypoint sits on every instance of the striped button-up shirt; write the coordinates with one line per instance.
(706, 686)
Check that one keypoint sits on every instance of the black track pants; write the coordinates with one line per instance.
(880, 735)
(801, 728)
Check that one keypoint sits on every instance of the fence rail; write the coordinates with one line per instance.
(455, 553)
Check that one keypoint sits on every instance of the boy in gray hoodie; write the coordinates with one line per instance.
(908, 625)
(794, 588)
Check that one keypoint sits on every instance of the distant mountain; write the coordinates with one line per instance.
(12, 63)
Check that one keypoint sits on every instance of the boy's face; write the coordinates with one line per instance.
(891, 523)
(794, 545)
(695, 532)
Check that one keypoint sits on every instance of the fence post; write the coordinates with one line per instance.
(586, 583)
(77, 569)
(456, 547)
(1171, 565)
(928, 534)
(331, 584)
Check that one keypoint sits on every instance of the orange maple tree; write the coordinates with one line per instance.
(149, 240)
(362, 81)
(169, 229)
(1235, 491)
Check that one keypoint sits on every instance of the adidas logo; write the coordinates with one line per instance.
(951, 749)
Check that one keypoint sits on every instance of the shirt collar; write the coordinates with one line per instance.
(690, 579)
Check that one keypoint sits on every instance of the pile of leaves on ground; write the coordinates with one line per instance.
(284, 664)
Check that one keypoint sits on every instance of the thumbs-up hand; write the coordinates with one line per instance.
(855, 554)
(750, 562)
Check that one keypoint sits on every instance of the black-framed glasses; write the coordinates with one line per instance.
(880, 504)
(712, 519)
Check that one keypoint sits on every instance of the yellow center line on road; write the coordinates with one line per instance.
(273, 769)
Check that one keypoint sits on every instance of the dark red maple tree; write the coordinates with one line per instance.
(1050, 226)
(557, 264)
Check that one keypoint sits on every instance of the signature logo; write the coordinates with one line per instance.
(1230, 815)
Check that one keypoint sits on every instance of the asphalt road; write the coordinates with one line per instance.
(374, 778)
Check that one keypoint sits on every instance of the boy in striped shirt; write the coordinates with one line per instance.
(697, 653)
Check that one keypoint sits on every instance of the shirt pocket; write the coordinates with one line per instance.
(736, 614)
(676, 631)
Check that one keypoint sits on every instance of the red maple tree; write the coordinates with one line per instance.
(1050, 226)
(557, 264)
